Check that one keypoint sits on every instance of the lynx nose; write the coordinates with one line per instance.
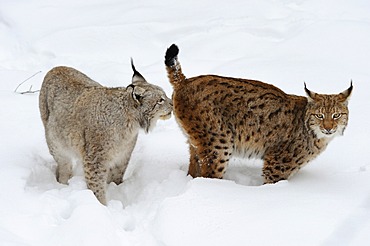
(328, 127)
(328, 131)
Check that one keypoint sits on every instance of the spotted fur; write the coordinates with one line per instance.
(224, 117)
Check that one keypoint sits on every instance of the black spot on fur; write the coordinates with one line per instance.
(274, 114)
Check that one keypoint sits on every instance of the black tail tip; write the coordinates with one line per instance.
(171, 54)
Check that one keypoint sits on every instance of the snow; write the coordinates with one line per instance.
(324, 43)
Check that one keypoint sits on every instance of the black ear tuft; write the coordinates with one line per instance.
(347, 93)
(308, 92)
(350, 88)
(136, 76)
(171, 55)
(305, 87)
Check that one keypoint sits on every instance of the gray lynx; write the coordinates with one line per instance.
(97, 126)
(224, 117)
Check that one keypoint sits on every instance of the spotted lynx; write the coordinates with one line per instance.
(97, 126)
(224, 117)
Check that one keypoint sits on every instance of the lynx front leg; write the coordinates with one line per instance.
(276, 169)
(96, 176)
(117, 171)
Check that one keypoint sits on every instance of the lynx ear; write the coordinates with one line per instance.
(345, 95)
(310, 95)
(137, 77)
(137, 92)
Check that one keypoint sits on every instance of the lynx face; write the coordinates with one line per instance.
(327, 114)
(153, 103)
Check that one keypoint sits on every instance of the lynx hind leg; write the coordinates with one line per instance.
(64, 165)
(194, 166)
(276, 169)
(60, 155)
(213, 153)
(64, 172)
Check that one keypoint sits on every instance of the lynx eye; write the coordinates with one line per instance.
(336, 116)
(320, 116)
(161, 101)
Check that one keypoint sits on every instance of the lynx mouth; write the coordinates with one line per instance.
(329, 132)
(165, 116)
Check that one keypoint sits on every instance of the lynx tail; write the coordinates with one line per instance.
(173, 66)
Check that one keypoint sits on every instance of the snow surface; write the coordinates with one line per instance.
(324, 43)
